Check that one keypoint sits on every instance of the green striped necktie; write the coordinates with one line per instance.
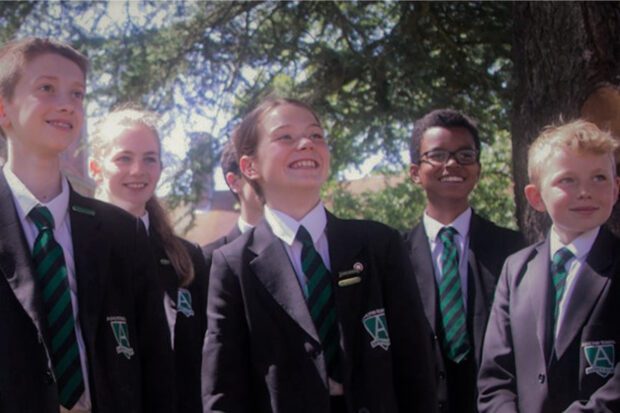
(53, 283)
(558, 276)
(320, 300)
(453, 318)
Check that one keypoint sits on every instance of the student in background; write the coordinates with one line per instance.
(250, 205)
(553, 338)
(456, 254)
(81, 315)
(126, 165)
(308, 312)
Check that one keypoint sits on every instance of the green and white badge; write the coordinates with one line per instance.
(601, 357)
(184, 302)
(376, 325)
(121, 334)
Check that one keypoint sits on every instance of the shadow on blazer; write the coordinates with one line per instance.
(519, 371)
(116, 280)
(489, 245)
(263, 350)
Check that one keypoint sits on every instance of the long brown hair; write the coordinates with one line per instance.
(127, 117)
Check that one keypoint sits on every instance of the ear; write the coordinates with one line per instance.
(95, 170)
(247, 165)
(233, 182)
(414, 173)
(534, 198)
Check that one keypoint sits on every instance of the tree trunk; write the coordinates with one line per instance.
(562, 53)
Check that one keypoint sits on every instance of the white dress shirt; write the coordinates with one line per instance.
(25, 201)
(285, 228)
(461, 225)
(580, 247)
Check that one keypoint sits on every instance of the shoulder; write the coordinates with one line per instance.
(411, 235)
(102, 210)
(494, 236)
(372, 232)
(207, 250)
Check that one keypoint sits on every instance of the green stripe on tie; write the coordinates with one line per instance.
(451, 304)
(53, 284)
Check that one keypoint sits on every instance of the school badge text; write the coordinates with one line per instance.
(121, 334)
(601, 357)
(376, 325)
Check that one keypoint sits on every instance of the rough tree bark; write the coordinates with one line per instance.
(563, 54)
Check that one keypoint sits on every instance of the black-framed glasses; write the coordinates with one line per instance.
(441, 156)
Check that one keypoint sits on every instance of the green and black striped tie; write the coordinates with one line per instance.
(320, 300)
(455, 338)
(558, 276)
(53, 283)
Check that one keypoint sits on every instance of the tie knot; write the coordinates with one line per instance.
(446, 235)
(303, 236)
(42, 218)
(561, 257)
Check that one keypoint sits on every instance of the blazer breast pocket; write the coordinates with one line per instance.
(598, 356)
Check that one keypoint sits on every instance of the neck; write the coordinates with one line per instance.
(41, 176)
(294, 205)
(446, 212)
(251, 215)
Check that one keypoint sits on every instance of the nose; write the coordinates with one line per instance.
(584, 192)
(136, 168)
(305, 142)
(64, 103)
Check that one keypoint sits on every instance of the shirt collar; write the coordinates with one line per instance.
(26, 201)
(146, 220)
(460, 224)
(580, 246)
(285, 227)
(243, 225)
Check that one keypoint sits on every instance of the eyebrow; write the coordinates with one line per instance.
(289, 125)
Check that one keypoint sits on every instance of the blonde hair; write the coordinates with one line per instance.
(104, 134)
(579, 136)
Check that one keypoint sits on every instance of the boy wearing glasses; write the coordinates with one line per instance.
(456, 254)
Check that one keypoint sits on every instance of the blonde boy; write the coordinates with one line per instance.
(553, 335)
(82, 327)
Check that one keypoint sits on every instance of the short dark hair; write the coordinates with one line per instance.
(442, 118)
(230, 163)
(245, 136)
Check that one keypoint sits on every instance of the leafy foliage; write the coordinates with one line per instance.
(368, 68)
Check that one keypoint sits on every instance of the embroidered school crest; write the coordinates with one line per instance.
(121, 334)
(376, 325)
(184, 302)
(600, 356)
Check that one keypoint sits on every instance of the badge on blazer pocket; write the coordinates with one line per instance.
(121, 335)
(600, 357)
(350, 277)
(184, 301)
(376, 325)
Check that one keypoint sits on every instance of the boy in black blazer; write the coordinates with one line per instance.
(553, 337)
(445, 153)
(81, 316)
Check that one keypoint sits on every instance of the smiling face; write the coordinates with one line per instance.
(129, 171)
(447, 185)
(578, 190)
(46, 113)
(292, 157)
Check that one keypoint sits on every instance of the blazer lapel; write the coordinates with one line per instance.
(425, 273)
(15, 259)
(536, 282)
(90, 252)
(590, 283)
(273, 268)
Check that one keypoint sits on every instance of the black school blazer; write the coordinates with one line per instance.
(117, 282)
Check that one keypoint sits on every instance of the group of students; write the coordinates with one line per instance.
(105, 309)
